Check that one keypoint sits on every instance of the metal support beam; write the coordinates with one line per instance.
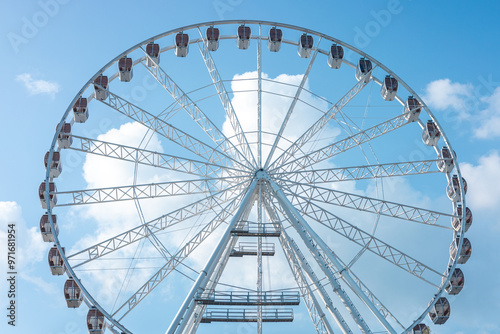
(310, 237)
(186, 308)
(297, 266)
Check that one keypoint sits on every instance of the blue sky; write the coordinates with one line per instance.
(446, 51)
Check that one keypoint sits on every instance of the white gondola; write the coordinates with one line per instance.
(275, 38)
(421, 329)
(213, 35)
(364, 67)
(431, 134)
(453, 188)
(389, 88)
(243, 40)
(64, 139)
(305, 45)
(125, 69)
(335, 56)
(440, 311)
(56, 262)
(95, 321)
(52, 196)
(55, 164)
(447, 164)
(465, 252)
(46, 230)
(80, 110)
(100, 88)
(72, 294)
(457, 222)
(181, 44)
(456, 283)
(153, 51)
(412, 109)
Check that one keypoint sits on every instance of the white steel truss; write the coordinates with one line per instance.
(311, 242)
(226, 180)
(159, 224)
(182, 99)
(176, 259)
(143, 191)
(293, 149)
(292, 105)
(373, 244)
(307, 193)
(299, 267)
(321, 253)
(343, 145)
(169, 131)
(186, 309)
(152, 158)
(226, 102)
(359, 172)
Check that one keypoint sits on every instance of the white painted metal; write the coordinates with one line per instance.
(318, 125)
(223, 165)
(311, 241)
(292, 106)
(194, 111)
(311, 238)
(212, 262)
(157, 225)
(301, 268)
(226, 103)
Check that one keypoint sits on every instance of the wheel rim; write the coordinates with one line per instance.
(240, 158)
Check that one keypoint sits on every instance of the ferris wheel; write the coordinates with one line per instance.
(253, 168)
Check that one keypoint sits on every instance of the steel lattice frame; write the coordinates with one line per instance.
(227, 175)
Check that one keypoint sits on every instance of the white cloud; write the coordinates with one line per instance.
(490, 117)
(483, 191)
(30, 246)
(110, 219)
(36, 87)
(444, 94)
(274, 109)
(31, 249)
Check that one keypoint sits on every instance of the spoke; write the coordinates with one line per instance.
(178, 258)
(156, 225)
(306, 192)
(186, 103)
(343, 145)
(143, 191)
(373, 244)
(359, 172)
(226, 101)
(168, 131)
(150, 158)
(293, 149)
(292, 105)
